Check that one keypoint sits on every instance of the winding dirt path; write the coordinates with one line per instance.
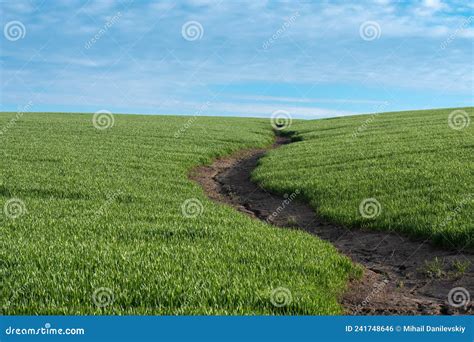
(396, 280)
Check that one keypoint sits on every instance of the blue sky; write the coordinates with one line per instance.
(245, 58)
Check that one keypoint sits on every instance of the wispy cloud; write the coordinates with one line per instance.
(317, 64)
(305, 100)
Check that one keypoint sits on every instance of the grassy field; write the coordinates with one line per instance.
(96, 221)
(411, 172)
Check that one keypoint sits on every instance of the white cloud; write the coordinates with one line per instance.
(434, 5)
(306, 100)
(161, 70)
(429, 7)
(266, 110)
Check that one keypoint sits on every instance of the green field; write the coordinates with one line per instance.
(415, 171)
(91, 222)
(106, 221)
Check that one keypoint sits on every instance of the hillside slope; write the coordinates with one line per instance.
(105, 220)
(411, 172)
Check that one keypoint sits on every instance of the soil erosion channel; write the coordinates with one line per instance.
(402, 276)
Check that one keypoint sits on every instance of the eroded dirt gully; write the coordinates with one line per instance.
(396, 276)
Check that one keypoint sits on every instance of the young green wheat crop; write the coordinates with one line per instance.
(105, 221)
(411, 172)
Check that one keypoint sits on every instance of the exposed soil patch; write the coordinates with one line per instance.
(402, 276)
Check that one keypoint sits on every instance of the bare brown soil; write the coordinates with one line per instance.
(397, 278)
